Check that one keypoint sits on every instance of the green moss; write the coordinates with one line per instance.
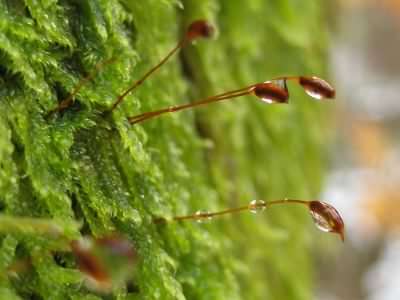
(81, 166)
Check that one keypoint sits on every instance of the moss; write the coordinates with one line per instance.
(81, 166)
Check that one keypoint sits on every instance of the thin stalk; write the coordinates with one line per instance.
(138, 82)
(258, 205)
(67, 102)
(228, 95)
(205, 215)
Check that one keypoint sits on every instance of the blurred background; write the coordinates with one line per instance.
(363, 182)
(221, 156)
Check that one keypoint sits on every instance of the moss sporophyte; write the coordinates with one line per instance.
(93, 256)
(325, 217)
(272, 91)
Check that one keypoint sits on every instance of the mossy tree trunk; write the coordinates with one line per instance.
(110, 176)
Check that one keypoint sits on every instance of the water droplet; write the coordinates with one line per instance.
(272, 91)
(320, 222)
(280, 82)
(314, 94)
(202, 216)
(257, 206)
(317, 88)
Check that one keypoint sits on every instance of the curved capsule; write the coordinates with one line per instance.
(270, 92)
(326, 218)
(317, 88)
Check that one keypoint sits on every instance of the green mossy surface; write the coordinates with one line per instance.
(110, 176)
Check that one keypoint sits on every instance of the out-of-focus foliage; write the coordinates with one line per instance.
(80, 165)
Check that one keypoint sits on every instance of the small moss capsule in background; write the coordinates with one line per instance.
(107, 262)
(200, 29)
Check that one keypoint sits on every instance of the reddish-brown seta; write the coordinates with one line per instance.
(67, 102)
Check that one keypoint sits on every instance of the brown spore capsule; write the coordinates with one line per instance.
(88, 263)
(199, 29)
(317, 88)
(271, 93)
(326, 218)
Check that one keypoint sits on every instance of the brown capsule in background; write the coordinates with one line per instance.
(199, 29)
(326, 218)
(88, 263)
(317, 88)
(270, 92)
(107, 262)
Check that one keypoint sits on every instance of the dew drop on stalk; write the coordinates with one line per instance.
(257, 206)
(280, 83)
(202, 216)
